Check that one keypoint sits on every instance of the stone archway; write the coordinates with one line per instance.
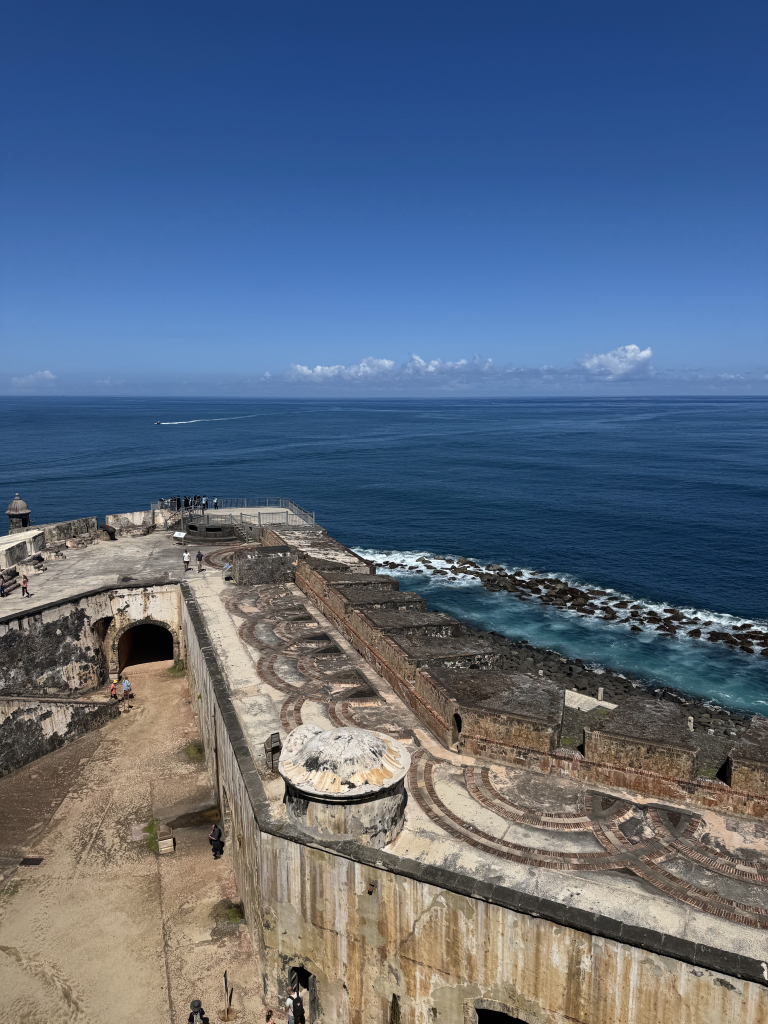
(490, 1011)
(146, 639)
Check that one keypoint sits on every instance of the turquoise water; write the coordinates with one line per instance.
(660, 499)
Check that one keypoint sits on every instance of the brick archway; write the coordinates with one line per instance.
(113, 644)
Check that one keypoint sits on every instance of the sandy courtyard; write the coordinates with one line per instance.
(104, 929)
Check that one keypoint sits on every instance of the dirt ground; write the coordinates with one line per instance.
(104, 929)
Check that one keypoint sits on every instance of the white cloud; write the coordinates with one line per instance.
(34, 380)
(366, 370)
(622, 362)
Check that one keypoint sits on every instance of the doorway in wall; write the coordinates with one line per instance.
(456, 730)
(145, 642)
(496, 1017)
(305, 984)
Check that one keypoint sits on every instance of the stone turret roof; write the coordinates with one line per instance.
(18, 507)
(342, 763)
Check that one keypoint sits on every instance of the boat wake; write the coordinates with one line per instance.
(208, 419)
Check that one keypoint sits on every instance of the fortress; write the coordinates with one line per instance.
(427, 823)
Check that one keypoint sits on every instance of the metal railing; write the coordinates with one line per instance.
(289, 514)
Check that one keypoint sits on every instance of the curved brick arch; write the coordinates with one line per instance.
(113, 639)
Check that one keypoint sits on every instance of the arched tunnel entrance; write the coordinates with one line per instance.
(144, 642)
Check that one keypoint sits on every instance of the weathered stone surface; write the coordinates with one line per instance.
(648, 734)
(32, 727)
(255, 564)
(748, 767)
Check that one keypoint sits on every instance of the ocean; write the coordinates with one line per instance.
(661, 500)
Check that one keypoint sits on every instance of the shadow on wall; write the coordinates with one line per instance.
(145, 642)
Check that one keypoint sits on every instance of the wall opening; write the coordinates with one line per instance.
(144, 642)
(394, 1010)
(305, 985)
(456, 730)
(496, 1017)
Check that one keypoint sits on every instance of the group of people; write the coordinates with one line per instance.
(127, 691)
(197, 502)
(186, 557)
(294, 1004)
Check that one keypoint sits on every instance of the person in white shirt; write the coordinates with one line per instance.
(185, 558)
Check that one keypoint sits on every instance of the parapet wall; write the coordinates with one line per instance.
(371, 925)
(653, 770)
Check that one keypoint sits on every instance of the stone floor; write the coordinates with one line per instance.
(104, 929)
(156, 557)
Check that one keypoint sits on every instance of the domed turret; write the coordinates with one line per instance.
(345, 783)
(18, 515)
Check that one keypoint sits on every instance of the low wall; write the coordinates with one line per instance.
(371, 925)
(55, 533)
(132, 522)
(19, 546)
(30, 727)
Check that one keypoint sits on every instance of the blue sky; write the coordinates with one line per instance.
(250, 198)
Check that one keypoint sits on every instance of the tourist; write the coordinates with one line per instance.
(199, 557)
(215, 502)
(185, 559)
(216, 841)
(205, 503)
(289, 1004)
(197, 1014)
(113, 690)
(126, 689)
(268, 1019)
(24, 586)
(2, 586)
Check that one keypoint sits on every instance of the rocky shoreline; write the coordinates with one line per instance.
(559, 593)
(709, 719)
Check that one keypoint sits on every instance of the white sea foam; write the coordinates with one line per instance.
(411, 562)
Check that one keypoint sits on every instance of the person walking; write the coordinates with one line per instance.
(205, 503)
(215, 502)
(2, 586)
(199, 557)
(126, 689)
(197, 1013)
(113, 690)
(185, 559)
(24, 586)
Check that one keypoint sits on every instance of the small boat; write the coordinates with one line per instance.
(158, 423)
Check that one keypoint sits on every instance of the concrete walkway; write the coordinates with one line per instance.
(106, 563)
(104, 929)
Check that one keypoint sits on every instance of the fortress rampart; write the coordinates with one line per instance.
(551, 856)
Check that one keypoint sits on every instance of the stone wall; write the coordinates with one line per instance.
(657, 777)
(20, 546)
(31, 727)
(136, 523)
(55, 533)
(72, 646)
(254, 564)
(443, 943)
